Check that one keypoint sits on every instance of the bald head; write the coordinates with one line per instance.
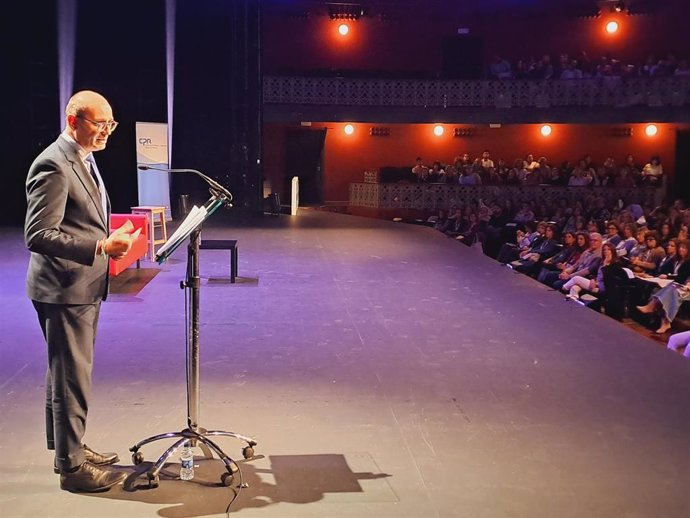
(84, 100)
(87, 116)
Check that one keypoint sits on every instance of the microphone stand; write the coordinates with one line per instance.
(194, 434)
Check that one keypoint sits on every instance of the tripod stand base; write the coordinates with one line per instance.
(198, 437)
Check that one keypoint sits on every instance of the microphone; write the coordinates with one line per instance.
(216, 188)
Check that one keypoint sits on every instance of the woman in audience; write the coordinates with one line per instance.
(595, 285)
(652, 173)
(568, 255)
(668, 264)
(667, 300)
(649, 259)
(531, 259)
(629, 240)
(612, 234)
(665, 233)
(587, 264)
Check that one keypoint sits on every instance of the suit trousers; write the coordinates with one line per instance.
(70, 333)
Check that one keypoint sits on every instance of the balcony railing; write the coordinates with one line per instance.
(606, 91)
(432, 197)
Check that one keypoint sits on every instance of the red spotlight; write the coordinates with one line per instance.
(344, 29)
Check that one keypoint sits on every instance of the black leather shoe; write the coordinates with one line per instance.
(89, 478)
(99, 459)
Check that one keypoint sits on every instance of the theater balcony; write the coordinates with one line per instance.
(592, 100)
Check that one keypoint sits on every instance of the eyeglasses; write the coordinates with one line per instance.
(101, 125)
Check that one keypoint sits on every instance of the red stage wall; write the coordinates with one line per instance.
(348, 156)
(413, 43)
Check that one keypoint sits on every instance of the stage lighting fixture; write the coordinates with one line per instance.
(345, 11)
(651, 130)
(463, 132)
(612, 27)
(438, 130)
(349, 129)
(546, 130)
(378, 131)
(343, 29)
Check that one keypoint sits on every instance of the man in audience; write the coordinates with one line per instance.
(420, 171)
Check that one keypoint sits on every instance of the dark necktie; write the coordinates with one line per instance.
(93, 169)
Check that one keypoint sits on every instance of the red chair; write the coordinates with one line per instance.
(139, 247)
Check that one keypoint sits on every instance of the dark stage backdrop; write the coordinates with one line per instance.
(217, 110)
(120, 52)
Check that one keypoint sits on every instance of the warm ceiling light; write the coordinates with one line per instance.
(612, 27)
(546, 130)
(438, 130)
(651, 130)
(343, 29)
(349, 129)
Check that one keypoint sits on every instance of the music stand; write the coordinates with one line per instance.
(193, 435)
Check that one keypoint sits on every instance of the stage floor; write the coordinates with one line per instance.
(385, 371)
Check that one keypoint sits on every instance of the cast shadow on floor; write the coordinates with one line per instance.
(293, 479)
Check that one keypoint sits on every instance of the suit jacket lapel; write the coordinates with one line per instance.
(85, 178)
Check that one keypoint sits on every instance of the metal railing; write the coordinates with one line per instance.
(594, 92)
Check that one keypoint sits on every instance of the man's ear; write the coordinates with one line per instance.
(72, 121)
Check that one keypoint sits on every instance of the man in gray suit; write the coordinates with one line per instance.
(67, 232)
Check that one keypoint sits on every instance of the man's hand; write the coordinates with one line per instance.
(119, 242)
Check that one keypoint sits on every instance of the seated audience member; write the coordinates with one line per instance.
(624, 178)
(523, 241)
(648, 260)
(586, 266)
(552, 267)
(486, 161)
(605, 173)
(652, 173)
(437, 174)
(470, 235)
(634, 169)
(456, 224)
(502, 170)
(580, 176)
(420, 171)
(470, 176)
(595, 285)
(667, 300)
(628, 241)
(641, 244)
(600, 212)
(441, 221)
(524, 215)
(679, 340)
(530, 163)
(668, 264)
(665, 233)
(500, 68)
(531, 259)
(612, 234)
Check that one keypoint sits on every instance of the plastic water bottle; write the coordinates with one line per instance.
(186, 464)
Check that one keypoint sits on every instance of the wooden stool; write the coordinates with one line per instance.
(151, 212)
(223, 244)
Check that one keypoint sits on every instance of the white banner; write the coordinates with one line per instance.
(152, 150)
